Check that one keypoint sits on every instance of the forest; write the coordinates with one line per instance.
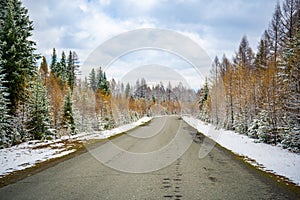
(50, 100)
(258, 94)
(254, 93)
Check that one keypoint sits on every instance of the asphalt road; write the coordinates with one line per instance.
(156, 161)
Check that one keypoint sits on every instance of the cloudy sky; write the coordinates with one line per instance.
(82, 25)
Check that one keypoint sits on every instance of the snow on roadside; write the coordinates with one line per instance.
(109, 133)
(30, 153)
(269, 158)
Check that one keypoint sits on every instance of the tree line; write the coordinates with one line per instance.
(34, 101)
(258, 94)
(109, 103)
(48, 101)
(254, 93)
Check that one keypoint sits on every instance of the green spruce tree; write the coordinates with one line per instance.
(16, 50)
(72, 69)
(68, 122)
(53, 65)
(38, 110)
(62, 68)
(5, 130)
(102, 83)
(92, 80)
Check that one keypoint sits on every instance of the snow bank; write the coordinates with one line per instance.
(30, 153)
(267, 157)
(109, 133)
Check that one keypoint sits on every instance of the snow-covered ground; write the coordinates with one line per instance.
(29, 153)
(112, 132)
(267, 157)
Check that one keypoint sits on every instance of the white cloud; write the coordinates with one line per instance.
(154, 66)
(143, 5)
(104, 2)
(83, 7)
(79, 26)
(82, 25)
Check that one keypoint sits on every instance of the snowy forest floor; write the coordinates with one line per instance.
(274, 159)
(31, 153)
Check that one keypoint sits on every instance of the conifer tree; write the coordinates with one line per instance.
(289, 18)
(62, 68)
(203, 94)
(92, 80)
(53, 65)
(72, 69)
(44, 71)
(16, 49)
(244, 57)
(263, 56)
(38, 109)
(276, 32)
(292, 93)
(127, 90)
(5, 130)
(3, 8)
(56, 95)
(68, 121)
(102, 83)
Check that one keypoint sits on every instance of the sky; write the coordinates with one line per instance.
(217, 26)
